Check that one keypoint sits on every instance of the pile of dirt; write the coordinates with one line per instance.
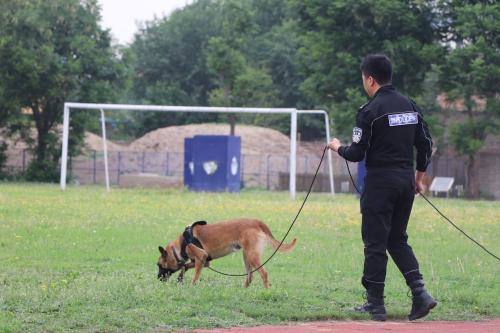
(254, 140)
(94, 142)
(263, 149)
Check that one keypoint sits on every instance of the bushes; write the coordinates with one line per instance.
(42, 171)
(3, 158)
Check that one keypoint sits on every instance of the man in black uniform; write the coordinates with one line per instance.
(387, 129)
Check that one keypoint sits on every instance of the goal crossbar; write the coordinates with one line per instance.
(69, 106)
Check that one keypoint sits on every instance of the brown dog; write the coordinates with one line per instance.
(202, 242)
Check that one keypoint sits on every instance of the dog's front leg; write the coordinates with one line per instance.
(198, 265)
(180, 278)
(200, 258)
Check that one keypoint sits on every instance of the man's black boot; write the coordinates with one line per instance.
(374, 306)
(422, 301)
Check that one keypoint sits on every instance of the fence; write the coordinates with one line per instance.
(127, 168)
(17, 161)
(269, 171)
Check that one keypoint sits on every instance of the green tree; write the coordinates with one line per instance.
(223, 42)
(252, 88)
(337, 34)
(469, 76)
(225, 57)
(168, 63)
(52, 52)
(227, 63)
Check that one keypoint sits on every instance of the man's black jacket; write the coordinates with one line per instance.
(387, 129)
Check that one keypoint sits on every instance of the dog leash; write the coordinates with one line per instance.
(357, 190)
(440, 213)
(291, 225)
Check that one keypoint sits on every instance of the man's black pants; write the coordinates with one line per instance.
(386, 205)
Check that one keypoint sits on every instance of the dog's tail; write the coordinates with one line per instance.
(275, 243)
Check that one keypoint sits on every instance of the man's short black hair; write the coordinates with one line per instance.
(377, 66)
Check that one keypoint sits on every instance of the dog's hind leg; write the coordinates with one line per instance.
(253, 246)
(254, 262)
(248, 269)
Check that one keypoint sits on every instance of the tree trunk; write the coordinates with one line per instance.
(473, 159)
(42, 133)
(232, 124)
(473, 176)
(231, 117)
(41, 147)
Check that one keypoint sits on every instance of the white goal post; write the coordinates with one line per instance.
(293, 130)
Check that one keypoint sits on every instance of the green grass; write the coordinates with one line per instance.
(85, 260)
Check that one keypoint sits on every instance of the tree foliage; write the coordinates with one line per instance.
(258, 53)
(339, 33)
(470, 75)
(168, 61)
(224, 42)
(52, 52)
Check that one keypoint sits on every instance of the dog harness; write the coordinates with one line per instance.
(188, 238)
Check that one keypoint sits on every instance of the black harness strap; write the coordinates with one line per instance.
(179, 260)
(188, 238)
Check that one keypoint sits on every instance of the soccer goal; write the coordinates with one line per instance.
(69, 107)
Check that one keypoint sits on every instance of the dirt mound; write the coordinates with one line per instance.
(94, 142)
(254, 140)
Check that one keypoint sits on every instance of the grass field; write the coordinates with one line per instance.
(85, 260)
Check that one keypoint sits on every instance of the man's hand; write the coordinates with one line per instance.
(334, 145)
(419, 182)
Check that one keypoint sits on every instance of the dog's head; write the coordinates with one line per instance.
(167, 263)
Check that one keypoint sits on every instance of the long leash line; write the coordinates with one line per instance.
(456, 227)
(357, 190)
(440, 213)
(291, 225)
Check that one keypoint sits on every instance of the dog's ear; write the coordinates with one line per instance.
(162, 251)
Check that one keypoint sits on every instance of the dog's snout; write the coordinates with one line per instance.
(163, 277)
(163, 274)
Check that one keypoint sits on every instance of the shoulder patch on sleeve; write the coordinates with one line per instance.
(357, 133)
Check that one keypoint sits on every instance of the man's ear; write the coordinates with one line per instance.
(162, 251)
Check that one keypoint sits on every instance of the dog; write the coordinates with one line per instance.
(201, 242)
